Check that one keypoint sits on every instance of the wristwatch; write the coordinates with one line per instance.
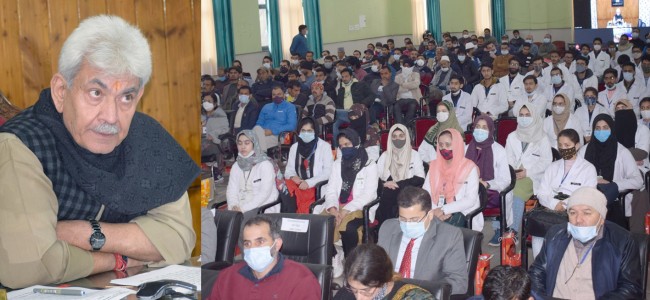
(97, 238)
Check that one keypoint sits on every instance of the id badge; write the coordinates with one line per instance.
(205, 130)
(441, 199)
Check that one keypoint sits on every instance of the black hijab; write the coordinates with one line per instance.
(626, 123)
(306, 151)
(603, 155)
(351, 167)
(360, 124)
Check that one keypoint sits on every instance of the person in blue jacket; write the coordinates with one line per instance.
(274, 118)
(299, 42)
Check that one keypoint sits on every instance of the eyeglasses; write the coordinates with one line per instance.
(413, 220)
(367, 292)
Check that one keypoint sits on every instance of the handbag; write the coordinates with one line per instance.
(540, 219)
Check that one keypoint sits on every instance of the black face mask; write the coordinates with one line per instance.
(284, 70)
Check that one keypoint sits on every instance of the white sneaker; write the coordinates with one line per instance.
(337, 262)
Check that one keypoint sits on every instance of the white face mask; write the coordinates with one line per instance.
(444, 69)
(597, 47)
(419, 62)
(295, 62)
(374, 68)
(208, 106)
(529, 41)
(442, 116)
(461, 58)
(407, 70)
(558, 109)
(465, 36)
(547, 40)
(258, 258)
(556, 79)
(628, 76)
(505, 52)
(524, 121)
(645, 114)
(266, 65)
(396, 56)
(583, 233)
(637, 55)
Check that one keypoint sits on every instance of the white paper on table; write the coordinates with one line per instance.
(115, 293)
(175, 272)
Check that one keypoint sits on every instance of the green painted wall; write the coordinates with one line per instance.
(246, 26)
(457, 15)
(536, 14)
(383, 18)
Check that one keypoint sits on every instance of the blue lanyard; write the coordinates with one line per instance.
(586, 253)
(565, 175)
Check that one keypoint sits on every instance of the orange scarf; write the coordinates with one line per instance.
(446, 179)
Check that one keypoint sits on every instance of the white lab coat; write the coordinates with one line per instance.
(642, 141)
(598, 64)
(610, 103)
(582, 113)
(467, 199)
(427, 152)
(566, 89)
(626, 174)
(250, 190)
(582, 174)
(539, 101)
(549, 128)
(464, 108)
(537, 157)
(542, 80)
(323, 161)
(364, 189)
(495, 102)
(514, 89)
(579, 89)
(416, 168)
(635, 94)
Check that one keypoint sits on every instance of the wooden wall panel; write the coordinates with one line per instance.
(32, 33)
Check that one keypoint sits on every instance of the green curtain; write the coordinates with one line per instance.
(498, 18)
(223, 32)
(273, 25)
(311, 10)
(433, 19)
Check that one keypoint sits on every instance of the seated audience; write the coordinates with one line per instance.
(408, 94)
(533, 96)
(489, 97)
(612, 92)
(461, 101)
(467, 70)
(213, 118)
(264, 271)
(273, 119)
(588, 112)
(310, 162)
(294, 93)
(247, 110)
(385, 91)
(320, 106)
(441, 76)
(263, 85)
(588, 258)
(584, 77)
(644, 107)
(358, 116)
(446, 118)
(512, 82)
(400, 166)
(558, 86)
(561, 118)
(452, 182)
(350, 91)
(421, 246)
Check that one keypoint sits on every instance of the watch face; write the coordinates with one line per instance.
(97, 240)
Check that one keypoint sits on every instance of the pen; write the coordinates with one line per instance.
(66, 292)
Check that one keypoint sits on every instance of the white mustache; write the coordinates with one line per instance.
(107, 129)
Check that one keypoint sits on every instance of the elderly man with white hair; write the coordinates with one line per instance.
(588, 258)
(88, 184)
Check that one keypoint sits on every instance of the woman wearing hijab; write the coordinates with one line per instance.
(254, 178)
(352, 184)
(310, 162)
(529, 153)
(453, 182)
(615, 167)
(399, 166)
(561, 119)
(359, 122)
(446, 118)
(494, 172)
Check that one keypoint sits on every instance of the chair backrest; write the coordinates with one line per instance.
(323, 274)
(556, 154)
(208, 278)
(504, 126)
(315, 245)
(472, 242)
(419, 127)
(228, 224)
(439, 290)
(642, 241)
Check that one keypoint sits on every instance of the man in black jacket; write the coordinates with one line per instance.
(467, 69)
(246, 111)
(350, 91)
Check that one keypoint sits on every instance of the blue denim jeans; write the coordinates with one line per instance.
(518, 206)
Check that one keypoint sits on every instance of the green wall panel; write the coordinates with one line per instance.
(246, 26)
(535, 14)
(457, 15)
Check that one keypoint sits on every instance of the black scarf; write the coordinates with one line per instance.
(147, 170)
(603, 155)
(351, 167)
(625, 127)
(360, 127)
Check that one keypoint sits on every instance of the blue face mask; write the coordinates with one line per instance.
(222, 78)
(583, 234)
(412, 230)
(307, 136)
(349, 152)
(602, 135)
(590, 100)
(258, 258)
(480, 135)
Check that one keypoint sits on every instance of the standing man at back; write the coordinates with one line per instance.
(299, 42)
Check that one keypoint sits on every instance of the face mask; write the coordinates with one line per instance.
(645, 114)
(399, 143)
(243, 99)
(407, 70)
(513, 71)
(493, 51)
(628, 76)
(504, 41)
(556, 79)
(602, 135)
(374, 68)
(278, 100)
(412, 230)
(258, 258)
(568, 153)
(584, 233)
(558, 109)
(294, 62)
(307, 136)
(581, 68)
(447, 154)
(419, 62)
(480, 135)
(328, 64)
(349, 152)
(597, 47)
(529, 41)
(524, 121)
(590, 100)
(465, 36)
(537, 69)
(222, 78)
(442, 116)
(208, 106)
(444, 69)
(266, 65)
(612, 49)
(637, 55)
(461, 58)
(635, 35)
(396, 56)
(504, 52)
(611, 88)
(547, 40)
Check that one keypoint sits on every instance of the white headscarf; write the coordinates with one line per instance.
(535, 131)
(397, 160)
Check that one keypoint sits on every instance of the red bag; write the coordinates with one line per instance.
(482, 269)
(647, 223)
(509, 250)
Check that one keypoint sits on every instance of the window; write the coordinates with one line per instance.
(264, 31)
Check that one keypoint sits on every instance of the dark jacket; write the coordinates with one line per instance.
(262, 89)
(360, 94)
(389, 94)
(616, 270)
(468, 71)
(248, 119)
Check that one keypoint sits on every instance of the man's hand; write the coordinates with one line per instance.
(296, 179)
(560, 206)
(444, 217)
(268, 132)
(602, 181)
(303, 185)
(391, 185)
(75, 232)
(437, 212)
